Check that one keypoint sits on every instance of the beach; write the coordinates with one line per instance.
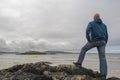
(91, 61)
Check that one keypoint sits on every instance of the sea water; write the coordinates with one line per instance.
(91, 61)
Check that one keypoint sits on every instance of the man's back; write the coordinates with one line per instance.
(96, 30)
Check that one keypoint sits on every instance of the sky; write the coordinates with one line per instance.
(45, 25)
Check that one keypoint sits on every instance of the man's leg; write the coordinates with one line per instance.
(83, 52)
(102, 59)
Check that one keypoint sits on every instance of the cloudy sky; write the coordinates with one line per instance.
(55, 24)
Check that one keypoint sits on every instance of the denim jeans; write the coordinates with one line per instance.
(100, 45)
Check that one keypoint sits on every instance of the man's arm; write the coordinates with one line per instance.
(106, 34)
(88, 32)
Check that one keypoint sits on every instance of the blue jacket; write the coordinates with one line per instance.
(96, 30)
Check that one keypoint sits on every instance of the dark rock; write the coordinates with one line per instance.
(43, 71)
(113, 78)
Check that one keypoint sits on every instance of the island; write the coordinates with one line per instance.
(33, 53)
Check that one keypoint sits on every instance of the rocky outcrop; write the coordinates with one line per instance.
(43, 71)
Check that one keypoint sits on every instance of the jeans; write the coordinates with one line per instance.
(100, 45)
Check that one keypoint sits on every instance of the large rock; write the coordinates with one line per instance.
(43, 71)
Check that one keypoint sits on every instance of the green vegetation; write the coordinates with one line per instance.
(33, 53)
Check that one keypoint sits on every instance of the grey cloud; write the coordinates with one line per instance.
(55, 21)
(9, 24)
(3, 46)
(39, 45)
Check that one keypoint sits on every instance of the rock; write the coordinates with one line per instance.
(43, 71)
(113, 78)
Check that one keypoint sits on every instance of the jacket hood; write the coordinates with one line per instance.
(98, 20)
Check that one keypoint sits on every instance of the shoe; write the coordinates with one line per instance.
(77, 64)
(103, 77)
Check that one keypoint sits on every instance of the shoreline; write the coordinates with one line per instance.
(91, 61)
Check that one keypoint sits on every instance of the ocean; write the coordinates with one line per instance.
(91, 61)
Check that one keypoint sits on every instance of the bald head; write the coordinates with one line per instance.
(97, 15)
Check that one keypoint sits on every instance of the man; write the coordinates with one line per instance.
(97, 36)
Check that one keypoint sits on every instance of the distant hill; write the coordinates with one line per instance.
(9, 52)
(58, 52)
(37, 52)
